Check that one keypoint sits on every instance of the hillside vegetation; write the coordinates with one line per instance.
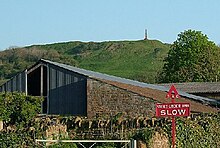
(139, 60)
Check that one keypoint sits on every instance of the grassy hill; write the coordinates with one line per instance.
(139, 60)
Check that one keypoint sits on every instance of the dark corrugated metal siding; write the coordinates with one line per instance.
(17, 83)
(67, 92)
(21, 82)
(2, 88)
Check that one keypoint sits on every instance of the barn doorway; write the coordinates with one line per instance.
(37, 84)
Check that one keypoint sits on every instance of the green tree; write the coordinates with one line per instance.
(192, 58)
(18, 112)
(18, 108)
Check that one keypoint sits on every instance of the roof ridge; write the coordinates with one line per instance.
(99, 75)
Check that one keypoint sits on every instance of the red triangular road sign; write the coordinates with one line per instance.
(172, 93)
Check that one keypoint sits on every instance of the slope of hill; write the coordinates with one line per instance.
(138, 60)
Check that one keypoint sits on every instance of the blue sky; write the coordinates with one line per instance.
(28, 22)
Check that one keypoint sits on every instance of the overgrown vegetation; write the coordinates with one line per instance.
(18, 108)
(144, 135)
(22, 127)
(200, 131)
(17, 111)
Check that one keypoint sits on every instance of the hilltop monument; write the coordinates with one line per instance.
(145, 35)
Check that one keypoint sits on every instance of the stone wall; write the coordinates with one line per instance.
(55, 128)
(104, 100)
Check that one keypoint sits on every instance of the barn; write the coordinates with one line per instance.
(204, 89)
(68, 90)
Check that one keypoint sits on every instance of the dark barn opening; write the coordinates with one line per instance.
(64, 91)
(37, 84)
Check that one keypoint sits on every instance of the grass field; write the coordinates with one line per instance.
(140, 60)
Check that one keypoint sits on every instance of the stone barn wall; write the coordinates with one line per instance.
(104, 99)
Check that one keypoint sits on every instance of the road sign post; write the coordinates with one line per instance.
(172, 110)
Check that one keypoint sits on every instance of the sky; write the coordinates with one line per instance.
(31, 22)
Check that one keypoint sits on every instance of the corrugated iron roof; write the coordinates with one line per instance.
(98, 75)
(197, 87)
